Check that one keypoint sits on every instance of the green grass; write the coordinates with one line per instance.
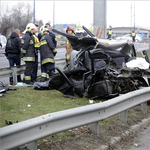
(14, 105)
(140, 55)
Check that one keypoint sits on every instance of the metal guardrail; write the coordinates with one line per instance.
(31, 130)
(14, 71)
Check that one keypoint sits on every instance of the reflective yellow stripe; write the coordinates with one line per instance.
(109, 32)
(31, 42)
(68, 57)
(45, 75)
(36, 40)
(43, 43)
(37, 45)
(23, 50)
(68, 42)
(54, 50)
(27, 77)
(28, 59)
(48, 61)
(22, 41)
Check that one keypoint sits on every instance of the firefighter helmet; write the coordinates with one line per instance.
(70, 28)
(30, 26)
(43, 29)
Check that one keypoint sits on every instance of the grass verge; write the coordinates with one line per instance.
(14, 106)
(25, 103)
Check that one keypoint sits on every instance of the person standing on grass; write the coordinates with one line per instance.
(52, 36)
(36, 46)
(13, 51)
(47, 53)
(28, 52)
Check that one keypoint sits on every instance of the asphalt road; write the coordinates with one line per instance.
(143, 140)
(4, 62)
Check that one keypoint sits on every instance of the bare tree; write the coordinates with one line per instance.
(5, 22)
(18, 17)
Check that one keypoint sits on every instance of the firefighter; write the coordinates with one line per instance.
(69, 48)
(47, 53)
(109, 33)
(36, 46)
(133, 34)
(28, 51)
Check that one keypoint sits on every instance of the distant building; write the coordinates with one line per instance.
(120, 31)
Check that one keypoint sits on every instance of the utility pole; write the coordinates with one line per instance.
(53, 14)
(131, 19)
(34, 11)
(134, 15)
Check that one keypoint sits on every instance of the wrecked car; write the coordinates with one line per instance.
(99, 69)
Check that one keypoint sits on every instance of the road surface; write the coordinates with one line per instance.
(143, 140)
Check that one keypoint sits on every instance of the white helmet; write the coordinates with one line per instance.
(43, 29)
(30, 26)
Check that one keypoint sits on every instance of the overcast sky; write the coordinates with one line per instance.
(81, 12)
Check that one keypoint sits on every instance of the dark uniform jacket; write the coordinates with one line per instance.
(53, 38)
(28, 49)
(47, 49)
(13, 45)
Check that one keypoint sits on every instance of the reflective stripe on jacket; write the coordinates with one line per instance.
(27, 78)
(69, 48)
(109, 32)
(133, 34)
(45, 75)
(47, 49)
(36, 41)
(28, 49)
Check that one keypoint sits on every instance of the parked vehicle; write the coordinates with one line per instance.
(3, 41)
(80, 33)
(128, 37)
(100, 69)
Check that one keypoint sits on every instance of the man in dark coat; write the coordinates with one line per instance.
(12, 52)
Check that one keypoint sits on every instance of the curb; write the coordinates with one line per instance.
(132, 130)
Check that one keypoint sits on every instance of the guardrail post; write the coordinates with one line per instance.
(32, 145)
(94, 127)
(123, 116)
(144, 107)
(14, 74)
